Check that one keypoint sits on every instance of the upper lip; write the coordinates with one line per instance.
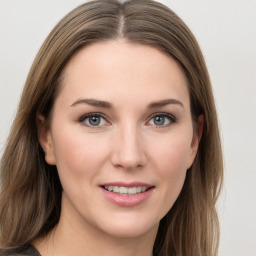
(127, 185)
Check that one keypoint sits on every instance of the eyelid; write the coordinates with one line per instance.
(83, 117)
(172, 118)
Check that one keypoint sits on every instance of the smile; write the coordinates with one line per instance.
(127, 194)
(126, 191)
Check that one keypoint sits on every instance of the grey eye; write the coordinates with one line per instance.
(93, 120)
(159, 120)
(162, 120)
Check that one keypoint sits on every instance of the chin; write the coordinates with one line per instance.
(128, 227)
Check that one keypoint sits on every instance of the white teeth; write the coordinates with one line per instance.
(138, 189)
(132, 190)
(116, 189)
(125, 190)
(143, 189)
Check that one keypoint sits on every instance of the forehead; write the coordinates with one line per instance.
(118, 69)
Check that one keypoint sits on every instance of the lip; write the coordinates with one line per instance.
(127, 200)
(128, 185)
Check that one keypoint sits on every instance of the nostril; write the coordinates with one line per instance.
(128, 150)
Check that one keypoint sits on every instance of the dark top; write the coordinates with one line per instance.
(29, 250)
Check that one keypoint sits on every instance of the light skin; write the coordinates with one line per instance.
(122, 115)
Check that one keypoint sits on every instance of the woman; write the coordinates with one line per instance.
(115, 147)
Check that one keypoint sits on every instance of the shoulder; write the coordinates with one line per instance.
(23, 251)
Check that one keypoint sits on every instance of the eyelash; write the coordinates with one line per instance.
(84, 117)
(171, 118)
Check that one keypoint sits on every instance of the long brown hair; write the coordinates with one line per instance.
(30, 196)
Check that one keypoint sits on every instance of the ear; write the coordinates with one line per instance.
(45, 139)
(196, 139)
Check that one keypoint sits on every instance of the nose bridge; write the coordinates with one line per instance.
(129, 151)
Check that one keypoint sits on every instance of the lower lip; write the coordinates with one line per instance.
(127, 200)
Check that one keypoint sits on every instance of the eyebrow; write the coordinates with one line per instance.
(163, 103)
(106, 104)
(93, 102)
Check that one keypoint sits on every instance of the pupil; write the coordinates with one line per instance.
(94, 120)
(159, 120)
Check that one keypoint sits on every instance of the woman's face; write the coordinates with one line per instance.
(121, 137)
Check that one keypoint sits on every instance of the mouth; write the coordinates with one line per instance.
(122, 190)
(127, 194)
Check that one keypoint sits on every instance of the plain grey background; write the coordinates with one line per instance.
(226, 31)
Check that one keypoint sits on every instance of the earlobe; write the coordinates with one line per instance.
(196, 139)
(45, 139)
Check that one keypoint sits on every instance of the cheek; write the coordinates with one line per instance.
(79, 159)
(170, 159)
(172, 153)
(172, 168)
(78, 154)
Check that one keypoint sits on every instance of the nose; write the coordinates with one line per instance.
(128, 150)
